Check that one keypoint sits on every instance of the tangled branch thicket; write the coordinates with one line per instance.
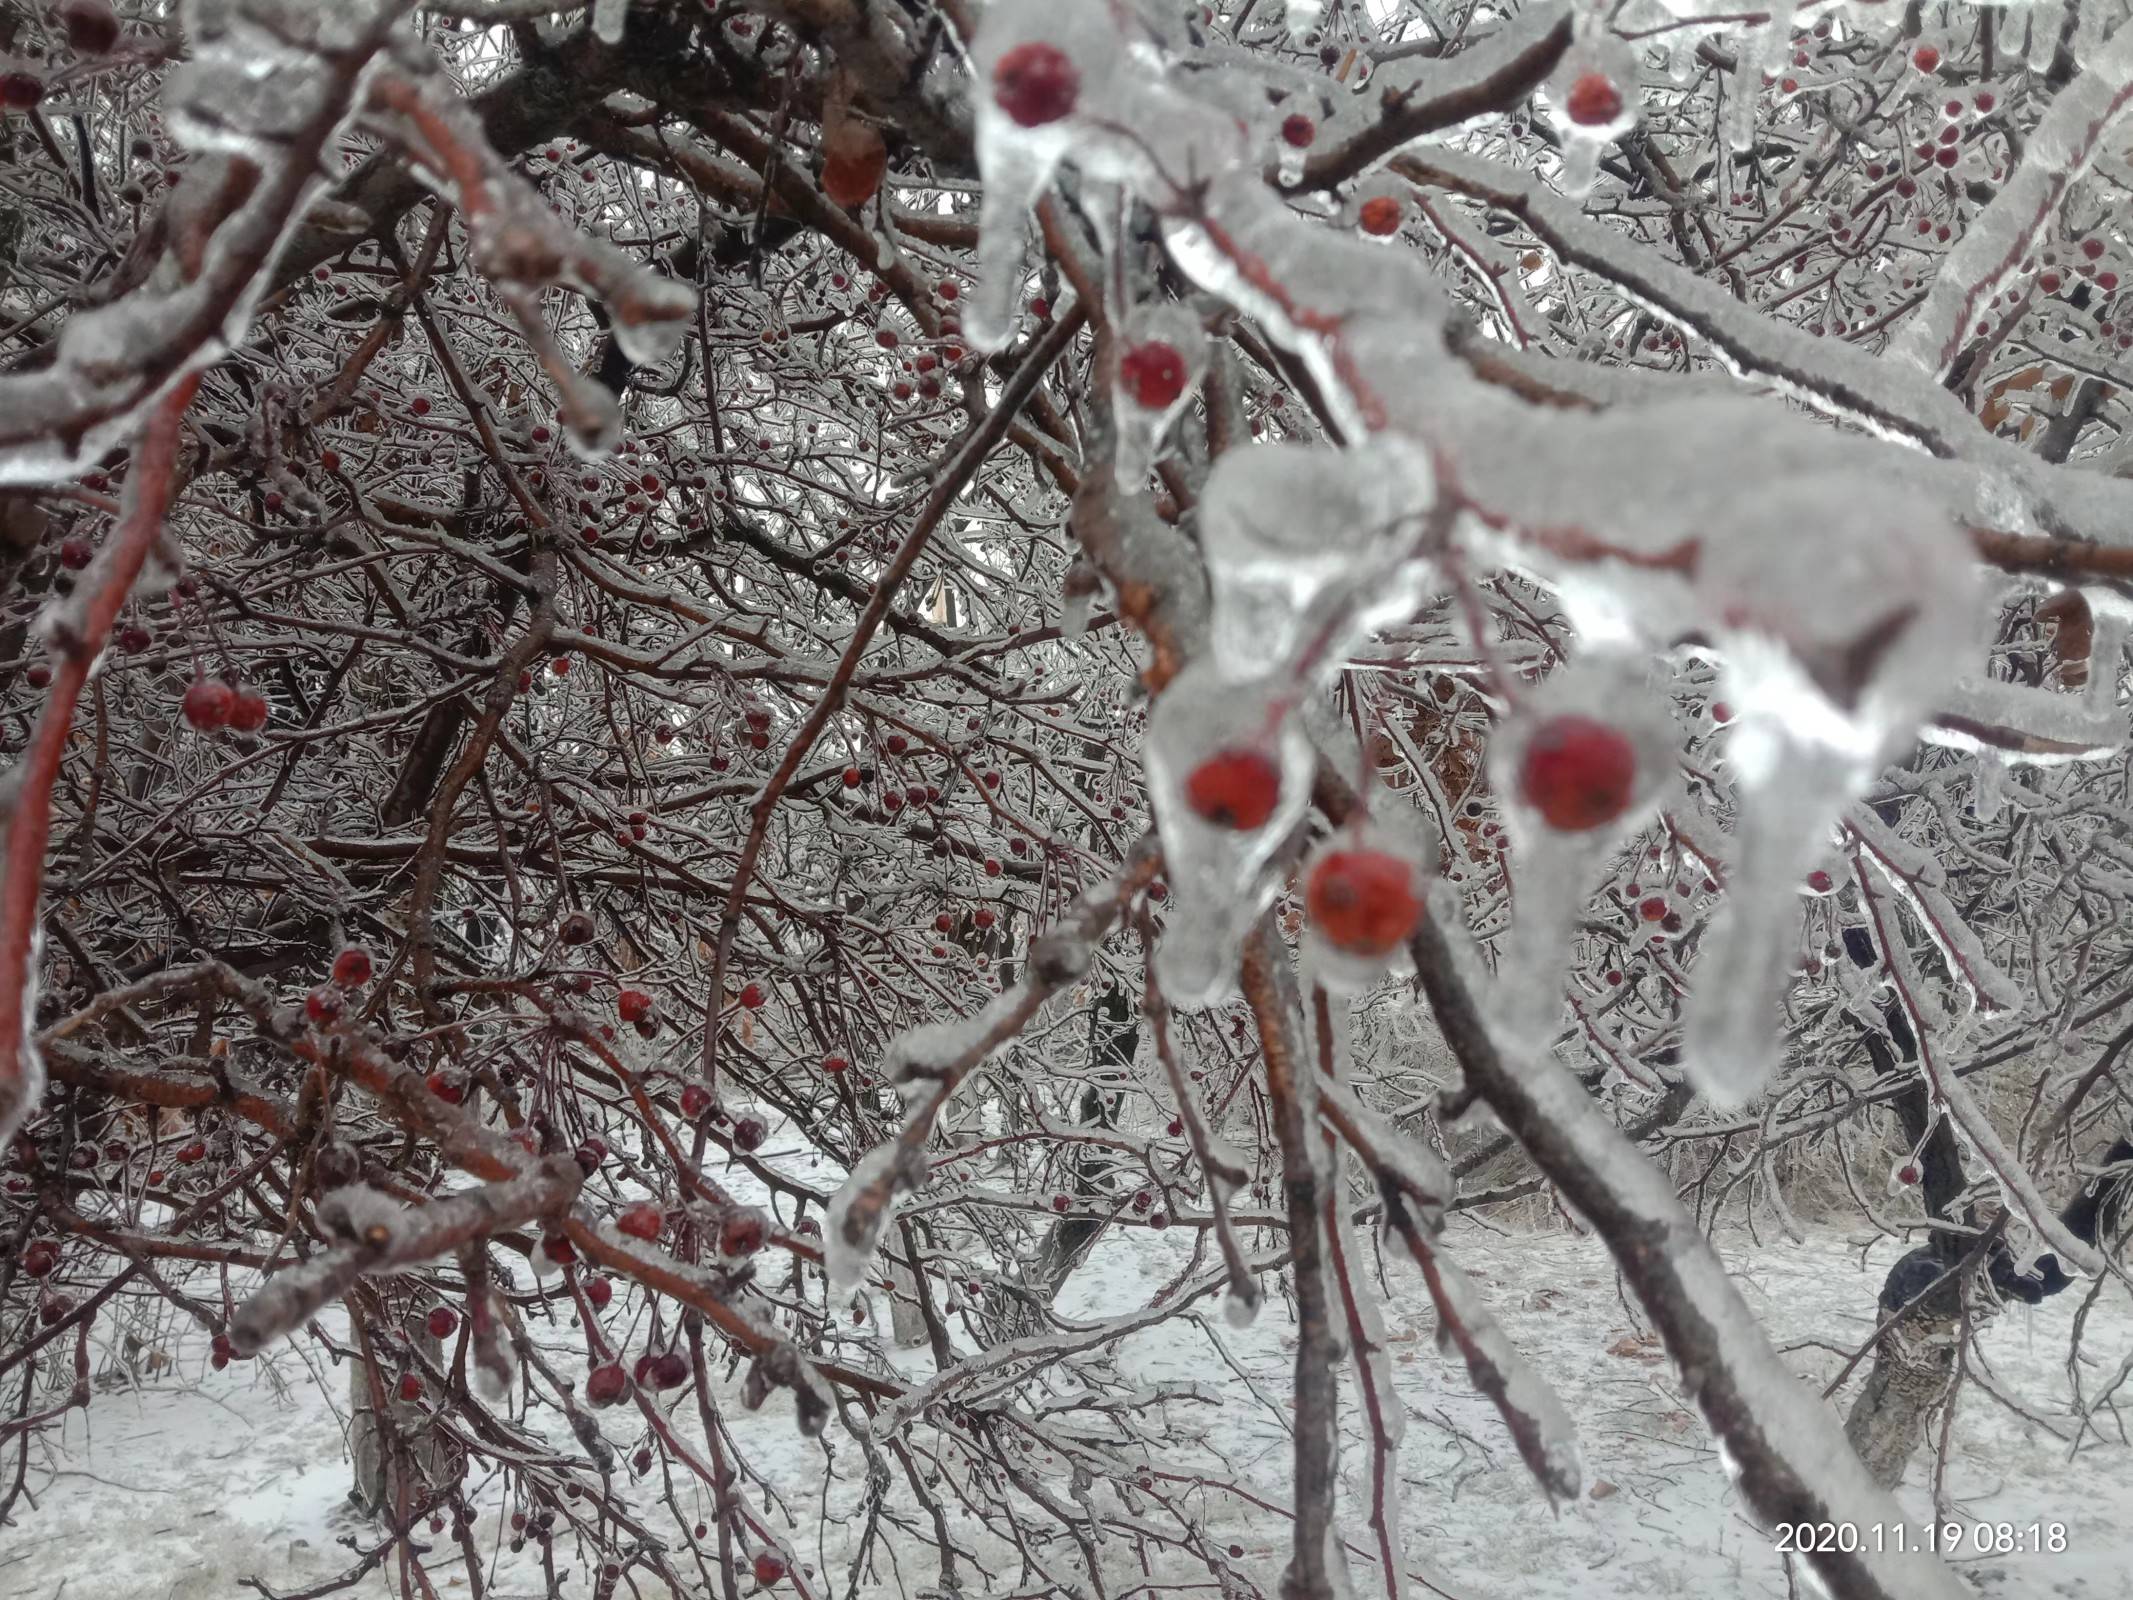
(692, 690)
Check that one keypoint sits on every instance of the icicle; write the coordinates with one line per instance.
(1229, 773)
(1041, 69)
(1162, 355)
(608, 18)
(1793, 789)
(1757, 51)
(1580, 767)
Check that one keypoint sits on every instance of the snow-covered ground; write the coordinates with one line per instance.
(184, 1488)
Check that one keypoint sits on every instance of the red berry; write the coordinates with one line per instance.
(1363, 901)
(133, 638)
(894, 744)
(1035, 83)
(606, 1384)
(834, 1064)
(641, 1221)
(751, 996)
(1593, 101)
(599, 1291)
(669, 1371)
(1298, 130)
(750, 1132)
(209, 703)
(248, 711)
(447, 1087)
(1153, 374)
(92, 26)
(74, 554)
(443, 1322)
(992, 866)
(323, 1005)
(1234, 788)
(695, 1101)
(352, 967)
(40, 1258)
(1820, 882)
(769, 1567)
(20, 91)
(1578, 773)
(1925, 58)
(191, 1153)
(634, 1005)
(1060, 1202)
(410, 1387)
(39, 676)
(576, 928)
(1908, 1173)
(591, 1151)
(1652, 908)
(851, 777)
(559, 1250)
(420, 405)
(1379, 216)
(983, 917)
(741, 1233)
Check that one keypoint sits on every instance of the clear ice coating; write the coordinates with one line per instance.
(1125, 125)
(1308, 550)
(1211, 743)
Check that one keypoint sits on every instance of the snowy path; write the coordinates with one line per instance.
(179, 1492)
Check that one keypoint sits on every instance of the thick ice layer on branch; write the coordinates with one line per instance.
(1308, 550)
(1323, 295)
(1229, 775)
(858, 1213)
(1539, 1424)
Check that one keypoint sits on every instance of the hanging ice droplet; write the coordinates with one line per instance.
(1162, 355)
(1229, 773)
(650, 325)
(1241, 1310)
(1310, 549)
(1761, 51)
(608, 19)
(1035, 62)
(1579, 767)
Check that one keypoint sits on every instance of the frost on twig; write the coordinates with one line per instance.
(261, 101)
(370, 1235)
(523, 248)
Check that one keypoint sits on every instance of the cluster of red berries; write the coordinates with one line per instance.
(351, 970)
(213, 703)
